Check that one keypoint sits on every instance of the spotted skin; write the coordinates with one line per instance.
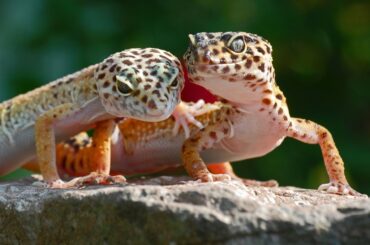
(252, 120)
(148, 147)
(139, 83)
(237, 67)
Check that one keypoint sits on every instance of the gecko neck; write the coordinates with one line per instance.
(246, 95)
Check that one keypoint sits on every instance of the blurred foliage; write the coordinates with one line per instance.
(321, 56)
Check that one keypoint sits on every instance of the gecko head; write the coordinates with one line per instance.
(235, 59)
(144, 84)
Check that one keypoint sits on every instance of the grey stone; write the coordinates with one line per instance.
(174, 210)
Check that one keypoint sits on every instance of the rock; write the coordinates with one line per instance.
(174, 210)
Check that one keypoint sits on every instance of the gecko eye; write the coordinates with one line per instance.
(237, 44)
(174, 84)
(172, 75)
(124, 88)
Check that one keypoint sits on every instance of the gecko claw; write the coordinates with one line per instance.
(340, 189)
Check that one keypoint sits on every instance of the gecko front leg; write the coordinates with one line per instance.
(99, 157)
(45, 143)
(313, 133)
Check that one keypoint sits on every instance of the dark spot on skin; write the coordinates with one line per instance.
(112, 68)
(106, 95)
(154, 73)
(323, 135)
(110, 60)
(268, 49)
(275, 105)
(234, 57)
(145, 73)
(215, 51)
(237, 67)
(156, 92)
(259, 49)
(153, 50)
(167, 74)
(158, 85)
(248, 64)
(249, 77)
(213, 135)
(285, 118)
(215, 67)
(279, 96)
(267, 91)
(210, 35)
(127, 62)
(256, 58)
(106, 84)
(167, 53)
(226, 37)
(147, 86)
(152, 104)
(144, 99)
(266, 101)
(226, 69)
(147, 55)
(136, 93)
(262, 67)
(104, 67)
(280, 111)
(222, 61)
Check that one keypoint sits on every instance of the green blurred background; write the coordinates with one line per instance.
(321, 56)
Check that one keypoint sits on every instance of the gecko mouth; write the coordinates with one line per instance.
(160, 114)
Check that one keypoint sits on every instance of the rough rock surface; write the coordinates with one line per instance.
(171, 210)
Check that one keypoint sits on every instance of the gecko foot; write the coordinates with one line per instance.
(340, 189)
(99, 179)
(267, 183)
(91, 179)
(208, 177)
(185, 114)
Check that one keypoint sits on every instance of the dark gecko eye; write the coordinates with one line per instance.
(124, 88)
(237, 44)
(174, 84)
